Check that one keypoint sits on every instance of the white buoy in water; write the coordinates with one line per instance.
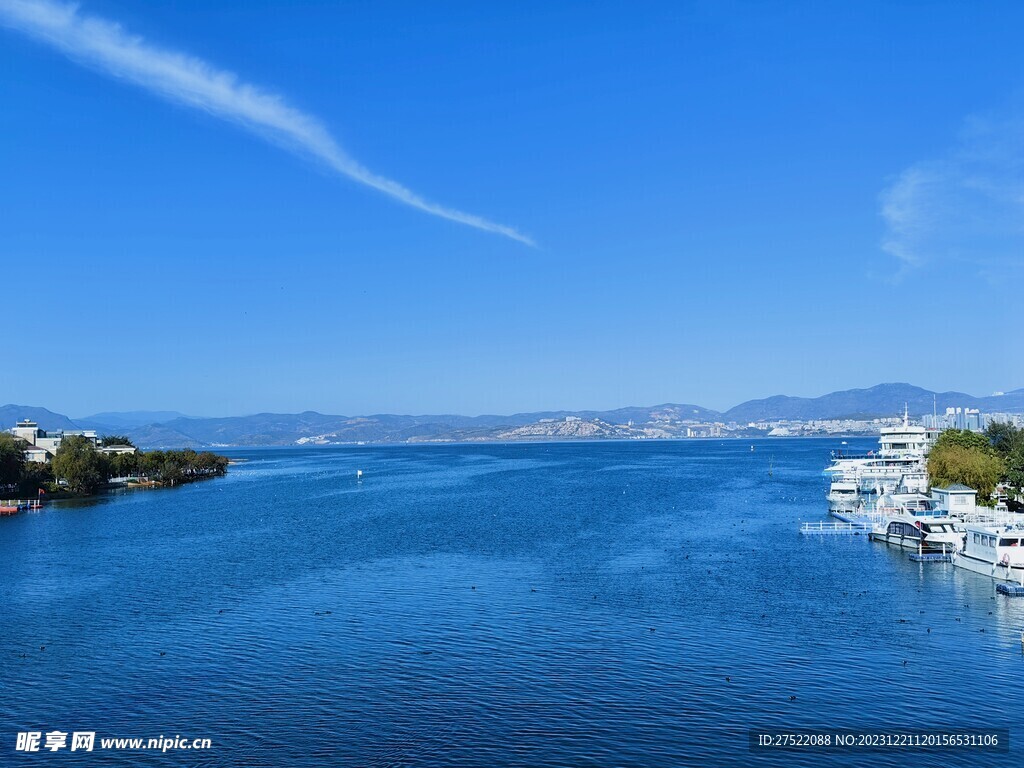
(359, 474)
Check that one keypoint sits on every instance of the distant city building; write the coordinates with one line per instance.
(42, 444)
(704, 430)
(1016, 419)
(971, 419)
(958, 418)
(40, 439)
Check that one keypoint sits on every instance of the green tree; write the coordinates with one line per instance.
(12, 460)
(79, 465)
(208, 463)
(960, 456)
(1015, 470)
(1008, 442)
(173, 469)
(150, 463)
(1004, 437)
(36, 475)
(965, 439)
(108, 440)
(125, 464)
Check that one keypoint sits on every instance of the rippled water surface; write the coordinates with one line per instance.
(547, 604)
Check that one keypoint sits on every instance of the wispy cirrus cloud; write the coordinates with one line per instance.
(964, 208)
(187, 80)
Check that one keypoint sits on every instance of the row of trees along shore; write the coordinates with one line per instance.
(980, 460)
(79, 468)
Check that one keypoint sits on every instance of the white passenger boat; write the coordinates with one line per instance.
(914, 521)
(844, 496)
(995, 551)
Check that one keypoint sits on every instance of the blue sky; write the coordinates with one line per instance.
(728, 200)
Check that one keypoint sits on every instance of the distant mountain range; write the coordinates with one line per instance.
(115, 420)
(9, 414)
(172, 429)
(880, 400)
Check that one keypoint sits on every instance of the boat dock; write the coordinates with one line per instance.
(13, 506)
(1011, 590)
(932, 557)
(861, 518)
(835, 528)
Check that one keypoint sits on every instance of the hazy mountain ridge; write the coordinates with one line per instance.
(45, 418)
(114, 420)
(880, 400)
(665, 420)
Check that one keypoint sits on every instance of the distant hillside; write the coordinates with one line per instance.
(653, 413)
(46, 419)
(880, 400)
(114, 420)
(313, 427)
(169, 429)
(162, 436)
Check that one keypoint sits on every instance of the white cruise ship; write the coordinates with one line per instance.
(898, 466)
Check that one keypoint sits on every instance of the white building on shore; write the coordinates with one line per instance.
(42, 444)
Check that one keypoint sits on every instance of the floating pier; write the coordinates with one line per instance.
(13, 506)
(931, 557)
(835, 529)
(1011, 590)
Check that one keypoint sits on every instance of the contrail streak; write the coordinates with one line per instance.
(187, 80)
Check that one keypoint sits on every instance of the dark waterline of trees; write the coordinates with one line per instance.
(79, 468)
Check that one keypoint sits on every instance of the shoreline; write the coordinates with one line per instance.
(542, 441)
(39, 503)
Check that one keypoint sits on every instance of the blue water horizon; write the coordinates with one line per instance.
(616, 603)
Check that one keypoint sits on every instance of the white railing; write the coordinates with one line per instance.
(21, 503)
(834, 527)
(983, 516)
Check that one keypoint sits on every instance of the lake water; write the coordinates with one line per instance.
(545, 604)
